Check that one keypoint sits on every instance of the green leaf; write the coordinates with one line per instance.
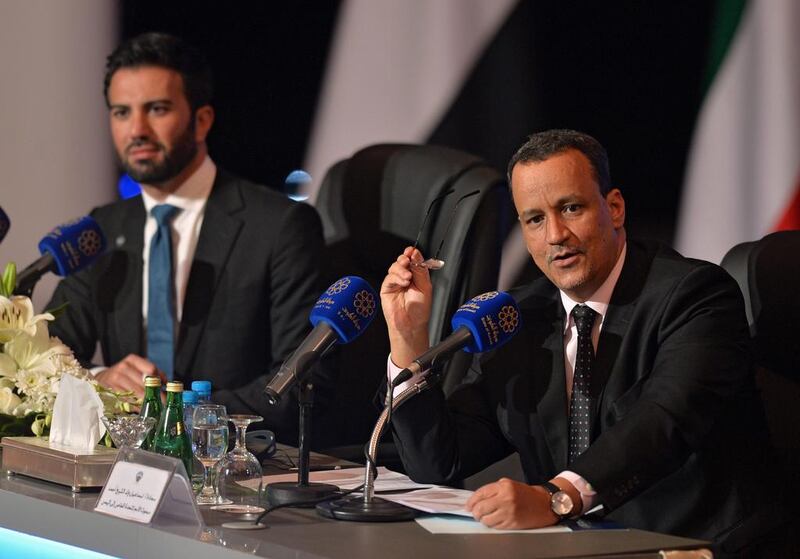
(11, 426)
(59, 310)
(9, 280)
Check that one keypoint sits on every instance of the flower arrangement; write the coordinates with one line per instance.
(32, 364)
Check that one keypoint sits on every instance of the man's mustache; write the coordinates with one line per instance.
(558, 252)
(142, 143)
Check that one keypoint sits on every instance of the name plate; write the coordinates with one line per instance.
(150, 489)
(133, 491)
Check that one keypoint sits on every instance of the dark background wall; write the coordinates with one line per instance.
(630, 73)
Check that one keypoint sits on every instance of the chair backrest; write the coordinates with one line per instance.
(372, 206)
(768, 273)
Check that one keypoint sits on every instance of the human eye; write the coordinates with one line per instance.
(533, 219)
(571, 208)
(119, 112)
(160, 109)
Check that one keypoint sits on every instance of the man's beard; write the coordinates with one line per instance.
(153, 172)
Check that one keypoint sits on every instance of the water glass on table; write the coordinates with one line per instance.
(209, 443)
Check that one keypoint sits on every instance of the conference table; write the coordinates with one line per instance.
(55, 513)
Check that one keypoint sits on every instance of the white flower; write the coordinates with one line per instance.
(8, 367)
(34, 352)
(32, 364)
(8, 401)
(31, 381)
(16, 314)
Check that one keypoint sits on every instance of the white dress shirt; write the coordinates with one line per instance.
(191, 198)
(598, 302)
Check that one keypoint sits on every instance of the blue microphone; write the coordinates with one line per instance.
(340, 315)
(127, 187)
(483, 323)
(5, 224)
(64, 250)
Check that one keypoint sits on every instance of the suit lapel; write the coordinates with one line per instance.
(551, 389)
(217, 237)
(617, 321)
(124, 281)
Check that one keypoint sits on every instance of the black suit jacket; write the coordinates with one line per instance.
(251, 286)
(676, 418)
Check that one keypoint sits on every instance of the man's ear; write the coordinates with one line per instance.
(616, 207)
(203, 120)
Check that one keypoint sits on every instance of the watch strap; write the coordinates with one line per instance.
(551, 487)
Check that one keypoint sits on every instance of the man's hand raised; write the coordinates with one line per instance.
(406, 301)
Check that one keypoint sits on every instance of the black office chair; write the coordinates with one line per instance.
(372, 206)
(768, 273)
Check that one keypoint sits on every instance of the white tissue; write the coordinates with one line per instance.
(76, 415)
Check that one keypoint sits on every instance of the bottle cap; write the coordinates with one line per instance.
(152, 381)
(189, 397)
(174, 386)
(202, 386)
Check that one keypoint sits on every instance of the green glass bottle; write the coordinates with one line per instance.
(171, 437)
(151, 406)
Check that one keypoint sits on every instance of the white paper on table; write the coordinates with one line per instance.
(76, 415)
(348, 478)
(435, 500)
(460, 525)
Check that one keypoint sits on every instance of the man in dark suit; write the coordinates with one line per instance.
(647, 409)
(219, 289)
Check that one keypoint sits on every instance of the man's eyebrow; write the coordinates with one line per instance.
(563, 201)
(149, 103)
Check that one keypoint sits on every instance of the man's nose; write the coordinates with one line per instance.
(556, 231)
(140, 127)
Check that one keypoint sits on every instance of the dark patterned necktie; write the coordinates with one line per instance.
(580, 404)
(160, 291)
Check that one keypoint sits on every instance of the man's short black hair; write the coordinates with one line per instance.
(166, 51)
(543, 145)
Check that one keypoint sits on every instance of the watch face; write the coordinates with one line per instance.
(561, 503)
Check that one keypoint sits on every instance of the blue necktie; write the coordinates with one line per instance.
(580, 427)
(160, 290)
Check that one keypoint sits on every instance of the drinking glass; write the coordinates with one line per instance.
(239, 473)
(209, 443)
(128, 430)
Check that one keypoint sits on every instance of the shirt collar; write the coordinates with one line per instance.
(600, 299)
(190, 196)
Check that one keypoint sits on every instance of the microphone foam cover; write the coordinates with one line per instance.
(492, 318)
(348, 306)
(74, 245)
(5, 224)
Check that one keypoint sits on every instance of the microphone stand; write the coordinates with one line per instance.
(367, 507)
(286, 491)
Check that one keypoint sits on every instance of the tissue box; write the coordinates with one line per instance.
(37, 457)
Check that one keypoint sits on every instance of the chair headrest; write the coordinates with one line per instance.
(768, 272)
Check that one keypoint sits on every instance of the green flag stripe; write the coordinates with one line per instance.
(728, 14)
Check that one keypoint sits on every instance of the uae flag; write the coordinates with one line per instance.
(394, 70)
(743, 174)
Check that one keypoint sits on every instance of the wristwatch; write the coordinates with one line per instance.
(560, 502)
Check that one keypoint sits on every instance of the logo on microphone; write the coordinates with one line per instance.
(365, 303)
(509, 319)
(488, 296)
(339, 286)
(89, 242)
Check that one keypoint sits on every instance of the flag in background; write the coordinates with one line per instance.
(743, 174)
(394, 70)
